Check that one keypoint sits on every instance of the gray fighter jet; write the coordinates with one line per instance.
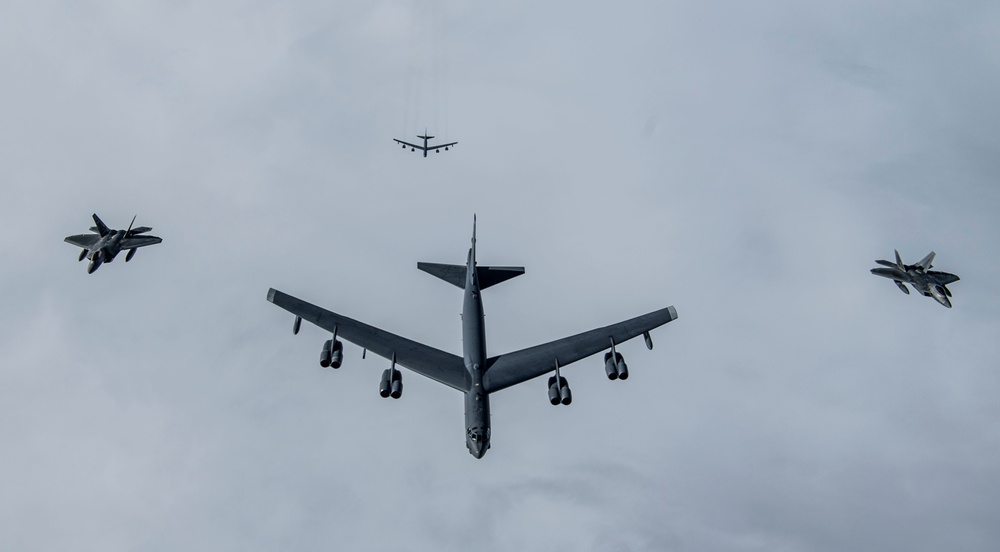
(105, 244)
(425, 148)
(474, 373)
(929, 283)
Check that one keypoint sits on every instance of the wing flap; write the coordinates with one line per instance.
(427, 361)
(512, 368)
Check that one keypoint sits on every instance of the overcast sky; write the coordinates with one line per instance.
(745, 162)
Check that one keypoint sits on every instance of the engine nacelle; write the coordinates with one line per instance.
(565, 395)
(553, 391)
(131, 253)
(622, 367)
(384, 387)
(396, 390)
(296, 325)
(609, 367)
(336, 354)
(326, 354)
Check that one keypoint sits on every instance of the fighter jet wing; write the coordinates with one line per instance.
(427, 361)
(421, 148)
(83, 240)
(512, 368)
(942, 278)
(140, 241)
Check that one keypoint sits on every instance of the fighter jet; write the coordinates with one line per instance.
(930, 283)
(105, 244)
(475, 374)
(425, 148)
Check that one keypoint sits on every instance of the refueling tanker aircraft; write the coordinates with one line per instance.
(474, 373)
(929, 283)
(106, 243)
(425, 148)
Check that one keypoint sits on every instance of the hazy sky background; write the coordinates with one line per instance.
(745, 162)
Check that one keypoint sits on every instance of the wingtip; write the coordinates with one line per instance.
(270, 295)
(673, 312)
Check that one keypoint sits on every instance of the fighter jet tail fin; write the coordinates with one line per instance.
(925, 263)
(102, 228)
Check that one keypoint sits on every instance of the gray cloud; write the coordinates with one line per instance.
(744, 163)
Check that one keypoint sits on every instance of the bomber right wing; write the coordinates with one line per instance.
(512, 368)
(427, 361)
(421, 148)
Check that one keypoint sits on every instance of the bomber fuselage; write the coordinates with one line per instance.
(477, 400)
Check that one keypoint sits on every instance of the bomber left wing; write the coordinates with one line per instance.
(427, 361)
(510, 369)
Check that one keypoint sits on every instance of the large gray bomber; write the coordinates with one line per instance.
(474, 373)
(930, 283)
(106, 243)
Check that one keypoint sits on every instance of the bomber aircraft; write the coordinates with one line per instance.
(425, 148)
(474, 373)
(105, 244)
(929, 283)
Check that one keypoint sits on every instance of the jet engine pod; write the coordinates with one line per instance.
(131, 253)
(325, 354)
(553, 391)
(565, 394)
(397, 385)
(383, 386)
(609, 367)
(622, 367)
(336, 354)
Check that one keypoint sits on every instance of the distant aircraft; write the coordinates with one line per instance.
(105, 245)
(474, 374)
(425, 148)
(929, 283)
